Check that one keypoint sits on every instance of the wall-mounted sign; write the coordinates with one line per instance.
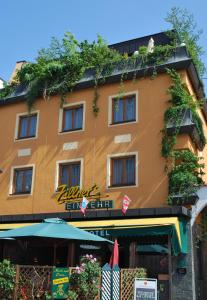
(145, 289)
(102, 233)
(75, 194)
(91, 205)
(60, 283)
(181, 271)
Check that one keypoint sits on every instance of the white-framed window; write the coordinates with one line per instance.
(122, 170)
(22, 180)
(72, 117)
(69, 172)
(123, 109)
(26, 126)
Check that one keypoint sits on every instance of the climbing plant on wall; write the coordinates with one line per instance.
(180, 102)
(60, 67)
(185, 171)
(186, 175)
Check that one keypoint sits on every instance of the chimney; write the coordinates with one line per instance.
(18, 66)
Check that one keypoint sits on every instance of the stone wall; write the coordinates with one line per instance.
(182, 285)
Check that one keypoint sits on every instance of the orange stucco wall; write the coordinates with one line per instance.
(95, 143)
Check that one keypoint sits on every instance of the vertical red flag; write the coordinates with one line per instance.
(114, 260)
(125, 204)
(84, 205)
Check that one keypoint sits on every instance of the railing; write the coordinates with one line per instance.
(127, 281)
(34, 282)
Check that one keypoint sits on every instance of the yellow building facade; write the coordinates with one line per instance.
(119, 151)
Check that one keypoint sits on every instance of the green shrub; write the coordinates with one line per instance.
(7, 279)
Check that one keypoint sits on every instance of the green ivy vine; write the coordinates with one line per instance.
(60, 67)
(181, 101)
(185, 176)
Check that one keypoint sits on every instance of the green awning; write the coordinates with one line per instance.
(152, 248)
(150, 231)
(138, 227)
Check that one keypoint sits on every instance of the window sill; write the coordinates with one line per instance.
(25, 138)
(70, 131)
(122, 123)
(19, 195)
(122, 186)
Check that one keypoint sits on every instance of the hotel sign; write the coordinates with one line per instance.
(75, 194)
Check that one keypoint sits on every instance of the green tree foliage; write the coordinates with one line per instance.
(185, 26)
(7, 279)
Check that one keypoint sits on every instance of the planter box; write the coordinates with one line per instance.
(187, 127)
(184, 200)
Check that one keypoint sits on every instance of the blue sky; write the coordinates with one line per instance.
(28, 25)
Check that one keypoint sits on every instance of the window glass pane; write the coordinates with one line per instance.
(75, 180)
(70, 174)
(32, 128)
(23, 127)
(123, 171)
(23, 181)
(64, 178)
(130, 109)
(28, 180)
(78, 112)
(130, 171)
(117, 171)
(19, 181)
(118, 110)
(68, 121)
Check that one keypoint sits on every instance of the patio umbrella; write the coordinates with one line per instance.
(52, 229)
(114, 260)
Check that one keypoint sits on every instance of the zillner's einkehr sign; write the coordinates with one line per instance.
(145, 289)
(105, 204)
(75, 194)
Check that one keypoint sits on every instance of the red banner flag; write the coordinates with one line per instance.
(125, 204)
(114, 260)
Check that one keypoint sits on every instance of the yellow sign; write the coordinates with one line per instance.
(61, 280)
(73, 194)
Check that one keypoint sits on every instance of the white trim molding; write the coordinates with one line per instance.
(59, 162)
(110, 124)
(16, 139)
(108, 169)
(60, 120)
(12, 179)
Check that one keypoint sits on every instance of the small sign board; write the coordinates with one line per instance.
(91, 205)
(145, 289)
(60, 283)
(181, 271)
